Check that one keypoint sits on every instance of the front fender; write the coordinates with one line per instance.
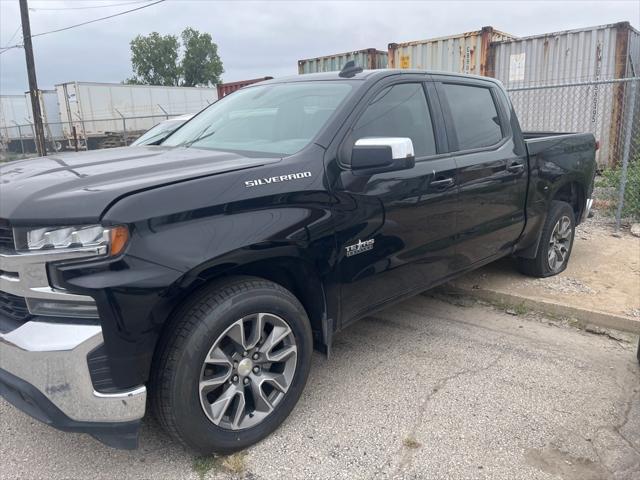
(186, 243)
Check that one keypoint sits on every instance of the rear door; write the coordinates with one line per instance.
(491, 168)
(399, 224)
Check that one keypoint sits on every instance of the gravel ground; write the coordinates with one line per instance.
(426, 389)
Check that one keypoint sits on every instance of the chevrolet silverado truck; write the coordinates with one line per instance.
(197, 276)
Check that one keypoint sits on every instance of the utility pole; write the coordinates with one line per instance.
(33, 83)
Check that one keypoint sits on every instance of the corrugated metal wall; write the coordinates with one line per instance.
(574, 55)
(585, 57)
(464, 53)
(368, 59)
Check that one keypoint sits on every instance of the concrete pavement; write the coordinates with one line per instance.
(426, 389)
(601, 285)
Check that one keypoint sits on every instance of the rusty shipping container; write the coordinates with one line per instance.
(230, 87)
(578, 59)
(369, 59)
(463, 53)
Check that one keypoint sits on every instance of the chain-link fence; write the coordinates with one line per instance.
(610, 109)
(17, 141)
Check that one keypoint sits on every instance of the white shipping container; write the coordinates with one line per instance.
(14, 110)
(96, 109)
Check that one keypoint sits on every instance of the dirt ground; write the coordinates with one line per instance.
(603, 273)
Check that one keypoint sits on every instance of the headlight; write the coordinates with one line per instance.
(80, 236)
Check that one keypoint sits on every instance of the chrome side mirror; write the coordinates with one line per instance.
(382, 154)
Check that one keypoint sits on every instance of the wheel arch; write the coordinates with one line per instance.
(287, 269)
(573, 193)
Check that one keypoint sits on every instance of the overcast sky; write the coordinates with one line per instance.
(259, 38)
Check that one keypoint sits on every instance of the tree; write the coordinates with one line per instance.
(201, 65)
(155, 60)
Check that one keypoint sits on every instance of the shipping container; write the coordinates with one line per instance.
(15, 112)
(577, 62)
(97, 109)
(589, 54)
(369, 59)
(463, 53)
(227, 88)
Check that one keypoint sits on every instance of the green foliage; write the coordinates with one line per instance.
(155, 60)
(203, 465)
(611, 178)
(201, 65)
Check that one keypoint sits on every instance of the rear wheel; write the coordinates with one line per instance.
(556, 243)
(233, 366)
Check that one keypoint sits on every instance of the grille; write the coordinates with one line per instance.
(6, 236)
(13, 307)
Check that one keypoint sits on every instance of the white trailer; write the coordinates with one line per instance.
(14, 119)
(50, 114)
(102, 112)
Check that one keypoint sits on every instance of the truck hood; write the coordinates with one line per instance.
(78, 187)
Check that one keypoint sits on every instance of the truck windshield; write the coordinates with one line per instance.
(278, 119)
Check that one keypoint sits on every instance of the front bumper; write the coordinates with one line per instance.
(44, 372)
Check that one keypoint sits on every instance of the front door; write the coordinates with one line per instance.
(395, 229)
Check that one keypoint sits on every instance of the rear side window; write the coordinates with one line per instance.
(399, 111)
(475, 116)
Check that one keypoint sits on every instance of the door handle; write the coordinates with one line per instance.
(515, 167)
(443, 183)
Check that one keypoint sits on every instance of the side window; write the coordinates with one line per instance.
(475, 117)
(399, 111)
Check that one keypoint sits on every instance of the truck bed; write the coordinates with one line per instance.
(570, 147)
(537, 134)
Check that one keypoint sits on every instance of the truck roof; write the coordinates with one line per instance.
(372, 75)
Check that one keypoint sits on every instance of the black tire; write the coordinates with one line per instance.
(539, 266)
(177, 368)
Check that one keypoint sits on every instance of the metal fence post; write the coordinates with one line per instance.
(166, 114)
(75, 137)
(124, 127)
(626, 154)
(33, 132)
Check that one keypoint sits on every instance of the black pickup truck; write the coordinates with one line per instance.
(203, 271)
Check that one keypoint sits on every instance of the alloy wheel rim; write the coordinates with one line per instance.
(559, 244)
(248, 371)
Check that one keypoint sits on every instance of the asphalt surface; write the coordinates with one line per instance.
(426, 389)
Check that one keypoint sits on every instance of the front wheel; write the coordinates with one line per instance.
(556, 243)
(233, 365)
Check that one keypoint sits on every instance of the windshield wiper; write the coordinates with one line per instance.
(202, 136)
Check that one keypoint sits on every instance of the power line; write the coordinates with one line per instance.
(6, 49)
(14, 34)
(97, 19)
(38, 9)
